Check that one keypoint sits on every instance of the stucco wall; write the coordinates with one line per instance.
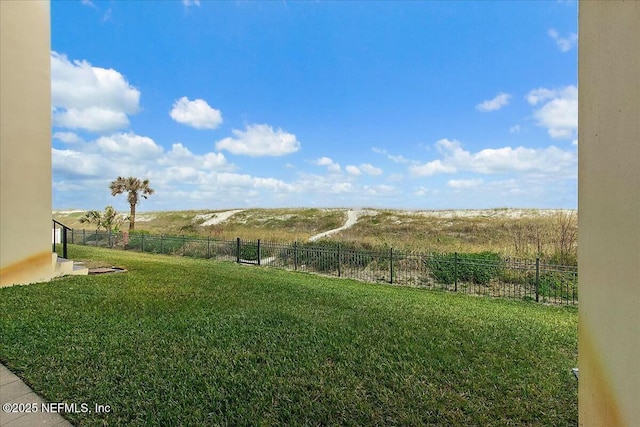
(609, 207)
(25, 142)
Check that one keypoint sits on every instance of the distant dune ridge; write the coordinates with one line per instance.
(352, 218)
(509, 231)
(219, 217)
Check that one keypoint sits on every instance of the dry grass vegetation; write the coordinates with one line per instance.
(509, 232)
(525, 234)
(282, 225)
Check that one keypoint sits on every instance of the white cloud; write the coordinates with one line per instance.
(421, 191)
(499, 101)
(353, 170)
(339, 190)
(91, 98)
(67, 137)
(73, 163)
(334, 167)
(188, 3)
(184, 180)
(180, 155)
(329, 163)
(342, 188)
(507, 159)
(324, 161)
(465, 183)
(128, 145)
(260, 140)
(179, 176)
(395, 177)
(393, 158)
(536, 96)
(545, 161)
(235, 180)
(559, 113)
(363, 168)
(196, 113)
(93, 119)
(131, 154)
(565, 44)
(379, 190)
(431, 168)
(515, 129)
(370, 169)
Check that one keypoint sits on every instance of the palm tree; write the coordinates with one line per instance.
(136, 189)
(110, 220)
(92, 217)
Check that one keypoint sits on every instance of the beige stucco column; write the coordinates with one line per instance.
(609, 213)
(25, 142)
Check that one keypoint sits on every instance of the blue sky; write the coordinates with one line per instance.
(408, 105)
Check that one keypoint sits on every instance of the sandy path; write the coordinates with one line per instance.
(352, 218)
(220, 217)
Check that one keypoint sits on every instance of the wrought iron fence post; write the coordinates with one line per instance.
(319, 258)
(537, 279)
(64, 242)
(455, 272)
(391, 264)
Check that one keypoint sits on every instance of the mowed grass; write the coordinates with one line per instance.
(177, 341)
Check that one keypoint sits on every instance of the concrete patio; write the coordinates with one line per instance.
(14, 391)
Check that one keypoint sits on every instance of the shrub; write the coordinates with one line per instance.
(478, 268)
(223, 248)
(196, 249)
(557, 285)
(144, 242)
(322, 256)
(99, 238)
(442, 267)
(560, 258)
(249, 251)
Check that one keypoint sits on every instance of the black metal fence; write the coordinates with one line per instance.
(59, 238)
(479, 274)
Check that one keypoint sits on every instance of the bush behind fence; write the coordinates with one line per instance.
(485, 273)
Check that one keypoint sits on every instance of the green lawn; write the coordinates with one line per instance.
(178, 341)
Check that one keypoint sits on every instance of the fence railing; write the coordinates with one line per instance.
(59, 236)
(480, 274)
